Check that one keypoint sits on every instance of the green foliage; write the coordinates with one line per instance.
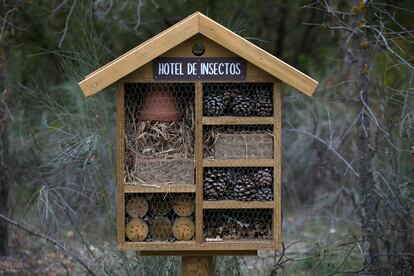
(63, 143)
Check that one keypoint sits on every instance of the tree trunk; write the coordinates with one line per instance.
(366, 182)
(4, 155)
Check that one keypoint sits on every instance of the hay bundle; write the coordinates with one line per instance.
(157, 139)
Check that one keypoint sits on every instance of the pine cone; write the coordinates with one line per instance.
(264, 194)
(263, 104)
(228, 96)
(263, 178)
(242, 105)
(231, 177)
(213, 105)
(245, 189)
(263, 109)
(215, 182)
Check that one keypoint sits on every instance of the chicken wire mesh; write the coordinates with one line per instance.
(159, 148)
(238, 99)
(159, 133)
(159, 217)
(238, 142)
(238, 224)
(245, 184)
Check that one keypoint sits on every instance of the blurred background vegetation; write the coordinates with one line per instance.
(60, 164)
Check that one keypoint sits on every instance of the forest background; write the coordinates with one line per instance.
(348, 163)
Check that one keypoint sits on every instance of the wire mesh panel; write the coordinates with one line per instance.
(159, 133)
(159, 217)
(235, 194)
(238, 224)
(245, 184)
(238, 142)
(238, 99)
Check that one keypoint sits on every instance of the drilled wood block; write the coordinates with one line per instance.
(183, 205)
(160, 228)
(244, 146)
(183, 229)
(137, 207)
(136, 230)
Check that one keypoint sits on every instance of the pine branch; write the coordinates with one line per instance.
(56, 243)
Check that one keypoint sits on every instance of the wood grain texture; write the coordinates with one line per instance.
(120, 125)
(140, 55)
(238, 163)
(160, 188)
(180, 32)
(235, 204)
(198, 152)
(256, 55)
(230, 120)
(277, 169)
(227, 245)
(212, 49)
(197, 266)
(201, 253)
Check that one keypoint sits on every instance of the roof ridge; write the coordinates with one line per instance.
(180, 32)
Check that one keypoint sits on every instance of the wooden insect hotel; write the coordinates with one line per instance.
(198, 140)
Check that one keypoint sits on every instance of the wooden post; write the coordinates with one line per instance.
(197, 266)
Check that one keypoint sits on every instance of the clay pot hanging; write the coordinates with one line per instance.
(159, 104)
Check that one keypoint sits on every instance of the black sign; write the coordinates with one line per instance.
(188, 68)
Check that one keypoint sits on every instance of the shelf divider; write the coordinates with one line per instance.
(238, 163)
(230, 120)
(198, 152)
(160, 188)
(236, 204)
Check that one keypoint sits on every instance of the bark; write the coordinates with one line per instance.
(365, 169)
(4, 156)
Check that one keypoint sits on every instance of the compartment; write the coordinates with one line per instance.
(238, 224)
(244, 184)
(238, 99)
(238, 142)
(159, 217)
(159, 133)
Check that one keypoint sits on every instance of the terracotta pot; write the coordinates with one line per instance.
(159, 105)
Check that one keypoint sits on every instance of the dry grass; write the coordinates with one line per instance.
(157, 139)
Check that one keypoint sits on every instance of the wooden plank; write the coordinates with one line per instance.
(200, 253)
(120, 125)
(230, 120)
(198, 152)
(212, 49)
(236, 204)
(238, 163)
(277, 169)
(140, 55)
(227, 245)
(183, 30)
(256, 55)
(197, 265)
(160, 188)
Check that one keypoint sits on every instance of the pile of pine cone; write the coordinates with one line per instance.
(232, 229)
(233, 184)
(236, 103)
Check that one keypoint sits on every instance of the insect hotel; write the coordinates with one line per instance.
(198, 141)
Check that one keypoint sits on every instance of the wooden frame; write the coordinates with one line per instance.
(254, 75)
(135, 67)
(199, 245)
(196, 23)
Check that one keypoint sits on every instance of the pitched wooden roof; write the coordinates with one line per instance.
(183, 30)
